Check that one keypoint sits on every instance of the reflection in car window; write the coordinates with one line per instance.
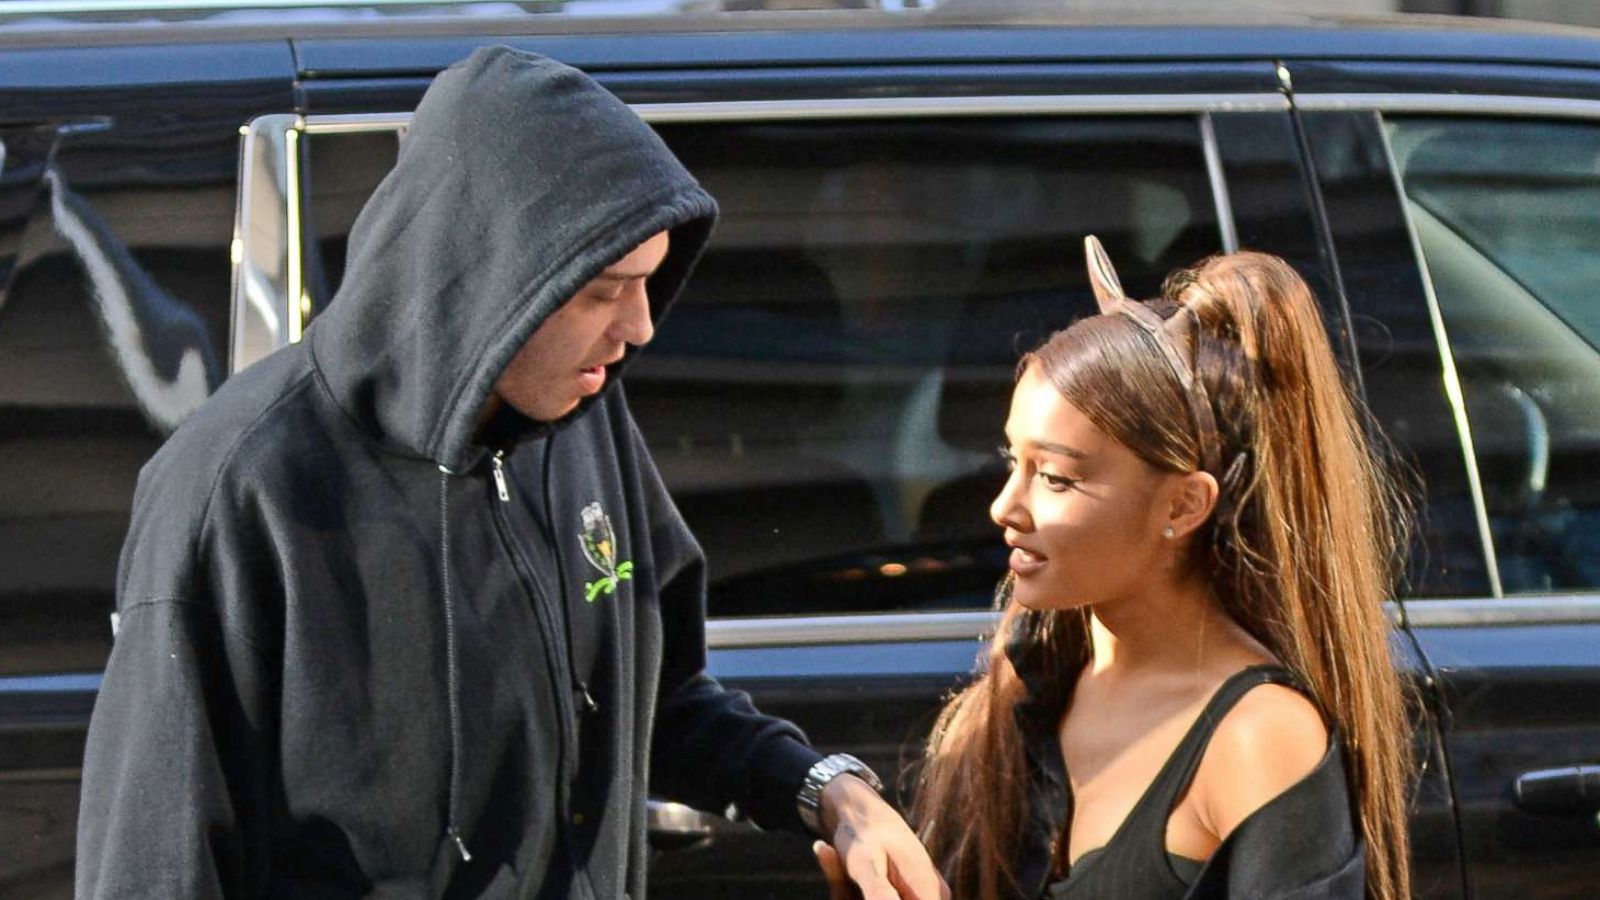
(826, 398)
(1508, 215)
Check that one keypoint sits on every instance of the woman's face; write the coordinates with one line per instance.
(1082, 514)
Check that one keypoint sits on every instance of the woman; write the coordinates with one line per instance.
(1190, 693)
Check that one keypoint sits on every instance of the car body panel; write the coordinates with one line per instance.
(1521, 699)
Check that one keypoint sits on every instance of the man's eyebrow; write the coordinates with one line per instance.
(1059, 449)
(609, 275)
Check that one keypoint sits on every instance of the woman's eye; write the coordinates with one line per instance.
(1058, 482)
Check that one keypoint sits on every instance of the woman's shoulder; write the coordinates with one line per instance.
(1270, 740)
(1294, 831)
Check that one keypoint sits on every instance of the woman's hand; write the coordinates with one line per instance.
(873, 852)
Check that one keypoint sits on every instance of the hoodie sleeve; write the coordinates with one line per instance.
(710, 746)
(176, 762)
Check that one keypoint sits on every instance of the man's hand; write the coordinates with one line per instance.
(873, 848)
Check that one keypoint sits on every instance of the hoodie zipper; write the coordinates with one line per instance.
(500, 476)
(551, 616)
(547, 621)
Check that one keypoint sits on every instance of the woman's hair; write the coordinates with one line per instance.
(1302, 550)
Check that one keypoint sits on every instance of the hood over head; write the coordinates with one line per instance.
(518, 180)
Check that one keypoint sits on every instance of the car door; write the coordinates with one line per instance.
(944, 249)
(927, 251)
(1464, 201)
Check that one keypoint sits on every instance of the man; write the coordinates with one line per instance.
(405, 610)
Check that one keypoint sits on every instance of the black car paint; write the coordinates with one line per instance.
(161, 114)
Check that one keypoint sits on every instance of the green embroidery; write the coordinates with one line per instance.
(608, 584)
(599, 544)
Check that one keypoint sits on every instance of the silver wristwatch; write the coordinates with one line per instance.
(827, 769)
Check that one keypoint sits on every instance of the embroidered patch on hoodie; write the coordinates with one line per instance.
(600, 548)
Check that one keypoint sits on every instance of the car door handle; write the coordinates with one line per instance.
(673, 826)
(1573, 790)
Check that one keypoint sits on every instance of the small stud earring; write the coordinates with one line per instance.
(1167, 532)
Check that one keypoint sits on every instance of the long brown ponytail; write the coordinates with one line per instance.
(1302, 551)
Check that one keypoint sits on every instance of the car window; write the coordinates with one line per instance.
(1508, 217)
(826, 399)
(1388, 318)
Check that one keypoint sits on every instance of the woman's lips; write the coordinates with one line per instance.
(1024, 562)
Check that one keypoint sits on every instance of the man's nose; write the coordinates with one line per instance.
(633, 324)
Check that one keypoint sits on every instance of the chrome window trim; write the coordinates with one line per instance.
(1452, 378)
(256, 333)
(885, 628)
(266, 276)
(886, 107)
(1463, 104)
(1219, 184)
(1555, 609)
(300, 300)
(894, 628)
(355, 123)
(922, 107)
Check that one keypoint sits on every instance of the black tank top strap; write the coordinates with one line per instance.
(1175, 776)
(1135, 861)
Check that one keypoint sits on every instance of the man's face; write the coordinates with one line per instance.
(566, 359)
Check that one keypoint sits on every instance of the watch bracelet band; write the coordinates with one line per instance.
(825, 770)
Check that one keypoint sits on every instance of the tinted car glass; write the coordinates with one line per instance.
(111, 242)
(1508, 216)
(1396, 344)
(826, 399)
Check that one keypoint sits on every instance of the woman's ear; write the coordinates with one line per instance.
(1190, 502)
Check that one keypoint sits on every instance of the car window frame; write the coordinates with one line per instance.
(1555, 608)
(267, 293)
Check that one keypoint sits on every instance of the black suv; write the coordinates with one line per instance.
(903, 196)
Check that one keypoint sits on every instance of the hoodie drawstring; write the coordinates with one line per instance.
(452, 670)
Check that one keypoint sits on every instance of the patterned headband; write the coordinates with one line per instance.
(1181, 330)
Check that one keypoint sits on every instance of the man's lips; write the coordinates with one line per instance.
(592, 378)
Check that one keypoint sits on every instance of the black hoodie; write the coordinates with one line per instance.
(367, 648)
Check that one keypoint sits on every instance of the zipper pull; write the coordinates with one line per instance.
(589, 704)
(500, 476)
